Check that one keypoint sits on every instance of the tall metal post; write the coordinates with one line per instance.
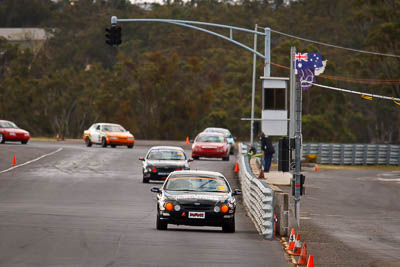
(292, 106)
(298, 152)
(253, 89)
(267, 61)
(267, 47)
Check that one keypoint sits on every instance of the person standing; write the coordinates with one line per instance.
(268, 148)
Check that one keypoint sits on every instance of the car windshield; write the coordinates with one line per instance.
(8, 124)
(226, 133)
(113, 128)
(199, 184)
(210, 139)
(160, 154)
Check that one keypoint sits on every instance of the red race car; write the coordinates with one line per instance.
(11, 132)
(210, 145)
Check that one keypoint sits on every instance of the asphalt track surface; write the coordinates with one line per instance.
(352, 217)
(88, 207)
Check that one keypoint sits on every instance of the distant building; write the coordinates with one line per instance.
(25, 37)
(285, 2)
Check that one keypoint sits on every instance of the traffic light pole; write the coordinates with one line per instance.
(191, 24)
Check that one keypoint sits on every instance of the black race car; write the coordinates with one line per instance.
(160, 161)
(197, 198)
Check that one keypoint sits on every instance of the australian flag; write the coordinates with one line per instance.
(308, 61)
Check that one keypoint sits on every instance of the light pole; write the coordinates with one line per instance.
(253, 90)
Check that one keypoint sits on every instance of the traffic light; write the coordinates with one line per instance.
(283, 155)
(113, 35)
(256, 127)
(302, 188)
(110, 36)
(117, 35)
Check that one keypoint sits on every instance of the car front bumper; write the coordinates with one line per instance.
(211, 218)
(161, 173)
(209, 154)
(120, 142)
(16, 138)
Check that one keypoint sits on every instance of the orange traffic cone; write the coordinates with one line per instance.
(187, 140)
(236, 167)
(291, 241)
(310, 262)
(316, 167)
(14, 162)
(297, 247)
(303, 255)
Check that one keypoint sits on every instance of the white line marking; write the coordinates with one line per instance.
(389, 180)
(28, 162)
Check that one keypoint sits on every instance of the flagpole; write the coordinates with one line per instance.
(292, 93)
(298, 153)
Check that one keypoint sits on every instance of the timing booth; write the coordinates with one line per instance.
(274, 117)
(274, 106)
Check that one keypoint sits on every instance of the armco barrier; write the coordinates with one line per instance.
(258, 197)
(349, 154)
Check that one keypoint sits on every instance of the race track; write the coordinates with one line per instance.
(88, 207)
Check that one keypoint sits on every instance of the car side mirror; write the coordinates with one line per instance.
(191, 159)
(235, 138)
(141, 158)
(155, 190)
(237, 192)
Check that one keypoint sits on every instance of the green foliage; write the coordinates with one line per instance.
(168, 82)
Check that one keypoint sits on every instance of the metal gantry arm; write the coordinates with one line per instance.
(191, 24)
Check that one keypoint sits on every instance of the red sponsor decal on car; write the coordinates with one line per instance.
(197, 215)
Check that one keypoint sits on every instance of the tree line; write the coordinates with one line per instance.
(168, 82)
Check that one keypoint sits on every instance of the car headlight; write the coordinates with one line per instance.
(220, 149)
(113, 137)
(13, 134)
(177, 207)
(26, 134)
(217, 209)
(130, 138)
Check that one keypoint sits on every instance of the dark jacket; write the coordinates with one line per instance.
(266, 145)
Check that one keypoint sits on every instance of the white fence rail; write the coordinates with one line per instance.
(258, 197)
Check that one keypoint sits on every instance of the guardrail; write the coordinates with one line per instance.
(349, 154)
(258, 197)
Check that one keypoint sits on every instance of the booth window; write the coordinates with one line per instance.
(274, 99)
